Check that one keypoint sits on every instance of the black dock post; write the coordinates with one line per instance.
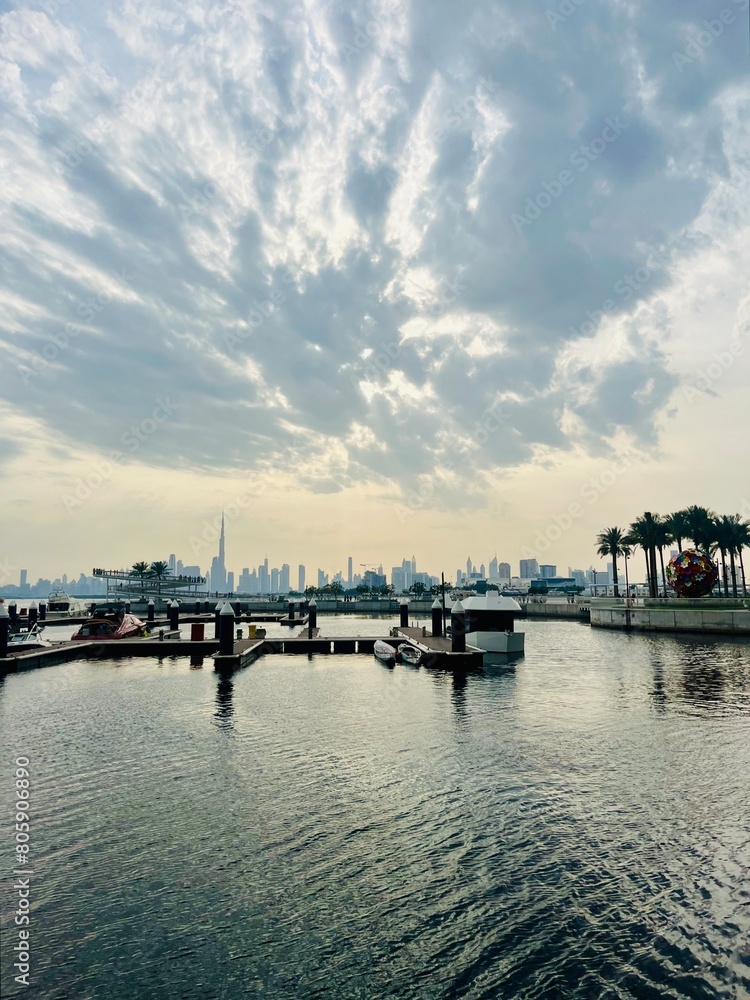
(237, 608)
(206, 607)
(4, 630)
(458, 628)
(292, 609)
(313, 613)
(217, 620)
(151, 616)
(127, 607)
(226, 630)
(404, 614)
(197, 607)
(13, 612)
(42, 611)
(33, 613)
(437, 618)
(174, 617)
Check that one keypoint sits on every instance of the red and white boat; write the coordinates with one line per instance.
(106, 627)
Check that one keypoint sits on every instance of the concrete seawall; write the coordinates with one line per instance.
(572, 612)
(720, 621)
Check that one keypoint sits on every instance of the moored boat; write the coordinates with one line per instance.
(60, 605)
(109, 627)
(490, 620)
(409, 654)
(384, 651)
(23, 638)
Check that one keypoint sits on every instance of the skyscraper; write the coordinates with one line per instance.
(529, 569)
(503, 571)
(274, 581)
(349, 574)
(172, 564)
(218, 566)
(301, 579)
(284, 587)
(493, 568)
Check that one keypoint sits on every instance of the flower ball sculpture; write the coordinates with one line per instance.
(691, 574)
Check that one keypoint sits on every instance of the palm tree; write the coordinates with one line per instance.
(700, 526)
(626, 552)
(662, 540)
(740, 536)
(159, 570)
(611, 542)
(677, 525)
(644, 532)
(733, 529)
(141, 570)
(722, 540)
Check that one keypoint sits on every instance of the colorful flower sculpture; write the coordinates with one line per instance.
(691, 574)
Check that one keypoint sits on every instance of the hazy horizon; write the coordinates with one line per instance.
(386, 279)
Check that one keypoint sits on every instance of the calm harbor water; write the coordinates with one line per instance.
(331, 828)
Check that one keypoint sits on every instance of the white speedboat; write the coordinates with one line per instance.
(490, 623)
(384, 651)
(25, 638)
(409, 654)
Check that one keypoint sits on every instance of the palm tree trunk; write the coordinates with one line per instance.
(663, 574)
(742, 568)
(648, 571)
(654, 582)
(733, 566)
(614, 573)
(724, 567)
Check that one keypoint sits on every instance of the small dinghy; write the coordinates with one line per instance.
(384, 651)
(409, 654)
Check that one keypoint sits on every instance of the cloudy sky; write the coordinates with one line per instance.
(381, 278)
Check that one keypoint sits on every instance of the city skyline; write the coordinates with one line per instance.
(412, 295)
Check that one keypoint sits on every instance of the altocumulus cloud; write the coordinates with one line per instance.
(242, 203)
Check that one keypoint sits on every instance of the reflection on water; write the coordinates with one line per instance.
(571, 825)
(224, 705)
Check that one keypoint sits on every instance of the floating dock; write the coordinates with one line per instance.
(436, 652)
